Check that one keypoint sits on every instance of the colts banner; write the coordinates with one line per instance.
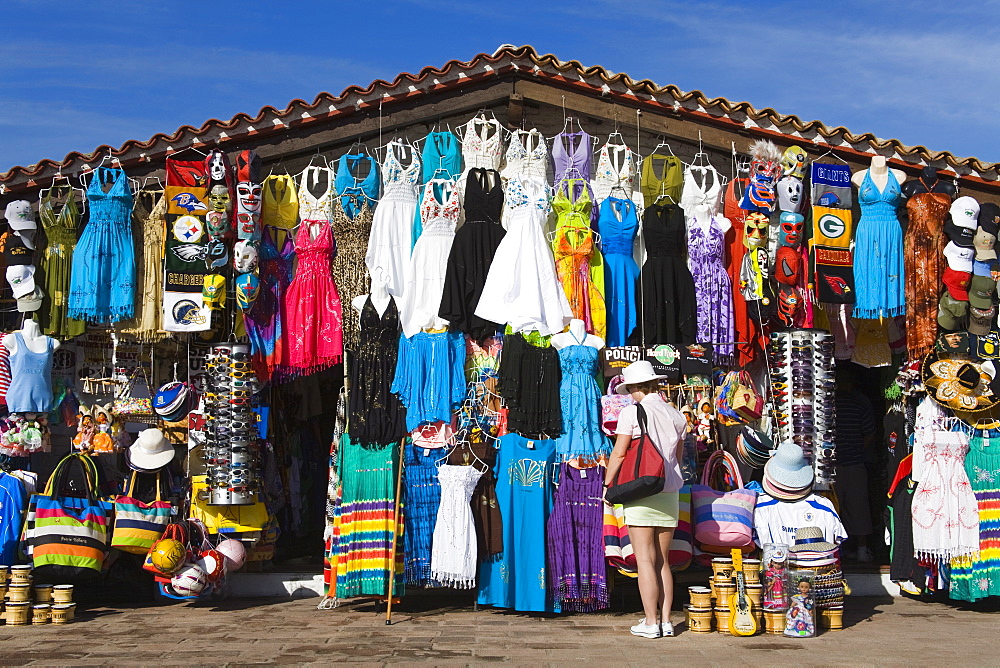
(186, 247)
(831, 245)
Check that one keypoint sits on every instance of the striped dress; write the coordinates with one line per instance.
(978, 577)
(363, 526)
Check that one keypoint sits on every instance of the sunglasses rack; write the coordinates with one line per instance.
(802, 369)
(231, 439)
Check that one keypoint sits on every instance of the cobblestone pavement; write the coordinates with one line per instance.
(249, 631)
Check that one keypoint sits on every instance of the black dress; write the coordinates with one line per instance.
(529, 384)
(667, 307)
(376, 415)
(472, 253)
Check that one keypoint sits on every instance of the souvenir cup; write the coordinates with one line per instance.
(62, 594)
(775, 621)
(19, 593)
(754, 593)
(699, 619)
(722, 566)
(20, 574)
(43, 593)
(751, 570)
(62, 613)
(17, 614)
(701, 597)
(41, 613)
(722, 620)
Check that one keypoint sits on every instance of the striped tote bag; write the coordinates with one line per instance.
(722, 519)
(137, 524)
(66, 536)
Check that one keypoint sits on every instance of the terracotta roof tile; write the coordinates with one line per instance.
(298, 112)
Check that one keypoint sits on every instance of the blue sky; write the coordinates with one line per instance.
(77, 75)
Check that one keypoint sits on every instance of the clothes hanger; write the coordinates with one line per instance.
(830, 153)
(186, 149)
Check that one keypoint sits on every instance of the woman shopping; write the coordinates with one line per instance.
(651, 520)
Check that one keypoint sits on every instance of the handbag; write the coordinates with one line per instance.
(618, 552)
(139, 525)
(721, 519)
(682, 544)
(746, 401)
(642, 472)
(66, 536)
(129, 408)
(612, 404)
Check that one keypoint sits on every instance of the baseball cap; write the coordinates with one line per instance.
(213, 294)
(984, 242)
(965, 212)
(982, 289)
(981, 320)
(21, 278)
(13, 250)
(959, 258)
(957, 283)
(982, 268)
(31, 301)
(951, 312)
(989, 218)
(960, 236)
(19, 216)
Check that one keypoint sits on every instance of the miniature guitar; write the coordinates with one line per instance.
(742, 620)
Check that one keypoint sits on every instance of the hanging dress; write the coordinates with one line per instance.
(312, 303)
(454, 553)
(924, 264)
(575, 255)
(878, 251)
(102, 280)
(315, 207)
(430, 376)
(529, 383)
(391, 239)
(485, 511)
(697, 190)
(527, 158)
(661, 179)
(57, 262)
(267, 321)
(668, 305)
(472, 253)
(575, 540)
(745, 331)
(429, 262)
(580, 402)
(482, 148)
(422, 496)
(713, 289)
(517, 578)
(149, 228)
(364, 540)
(522, 289)
(376, 415)
(978, 576)
(615, 169)
(441, 159)
(572, 154)
(618, 224)
(353, 212)
(279, 205)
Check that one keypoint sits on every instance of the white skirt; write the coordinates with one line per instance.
(390, 242)
(425, 282)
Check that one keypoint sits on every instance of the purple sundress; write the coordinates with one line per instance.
(712, 286)
(575, 537)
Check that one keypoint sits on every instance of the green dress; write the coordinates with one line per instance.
(977, 577)
(57, 259)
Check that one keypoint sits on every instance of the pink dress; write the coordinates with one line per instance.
(312, 302)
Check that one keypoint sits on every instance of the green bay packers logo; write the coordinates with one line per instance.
(831, 226)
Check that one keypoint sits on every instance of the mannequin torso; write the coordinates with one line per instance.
(380, 298)
(703, 217)
(879, 172)
(577, 335)
(929, 182)
(33, 339)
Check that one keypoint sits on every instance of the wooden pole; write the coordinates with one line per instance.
(395, 536)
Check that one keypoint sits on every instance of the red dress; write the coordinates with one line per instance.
(314, 329)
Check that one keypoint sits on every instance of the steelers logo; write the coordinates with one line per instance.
(831, 226)
(188, 229)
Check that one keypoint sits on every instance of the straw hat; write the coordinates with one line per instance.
(788, 475)
(811, 539)
(150, 452)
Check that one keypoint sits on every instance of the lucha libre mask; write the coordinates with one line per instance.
(791, 229)
(789, 304)
(219, 199)
(793, 162)
(790, 194)
(217, 167)
(248, 196)
(755, 230)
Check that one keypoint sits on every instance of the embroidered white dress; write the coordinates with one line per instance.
(527, 158)
(391, 239)
(615, 168)
(315, 207)
(454, 547)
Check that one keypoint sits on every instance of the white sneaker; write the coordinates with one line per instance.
(644, 630)
(864, 555)
(667, 630)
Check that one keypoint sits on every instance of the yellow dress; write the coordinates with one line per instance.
(579, 263)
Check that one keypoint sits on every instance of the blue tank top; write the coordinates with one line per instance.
(30, 388)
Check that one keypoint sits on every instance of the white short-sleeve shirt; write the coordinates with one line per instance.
(665, 425)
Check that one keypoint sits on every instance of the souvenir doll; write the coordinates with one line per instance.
(799, 620)
(775, 595)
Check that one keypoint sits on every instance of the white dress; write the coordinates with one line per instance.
(391, 239)
(615, 167)
(481, 148)
(454, 548)
(708, 191)
(315, 208)
(522, 289)
(527, 158)
(425, 278)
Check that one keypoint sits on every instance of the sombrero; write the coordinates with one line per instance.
(958, 382)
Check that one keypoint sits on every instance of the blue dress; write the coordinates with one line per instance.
(422, 494)
(102, 279)
(356, 193)
(878, 251)
(580, 398)
(430, 376)
(516, 578)
(618, 224)
(441, 158)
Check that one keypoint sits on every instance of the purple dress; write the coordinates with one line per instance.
(575, 536)
(712, 286)
(572, 151)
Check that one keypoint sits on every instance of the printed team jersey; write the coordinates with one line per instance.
(776, 521)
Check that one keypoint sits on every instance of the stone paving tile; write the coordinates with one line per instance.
(293, 632)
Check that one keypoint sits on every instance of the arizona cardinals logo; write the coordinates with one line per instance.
(189, 202)
(191, 252)
(837, 284)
